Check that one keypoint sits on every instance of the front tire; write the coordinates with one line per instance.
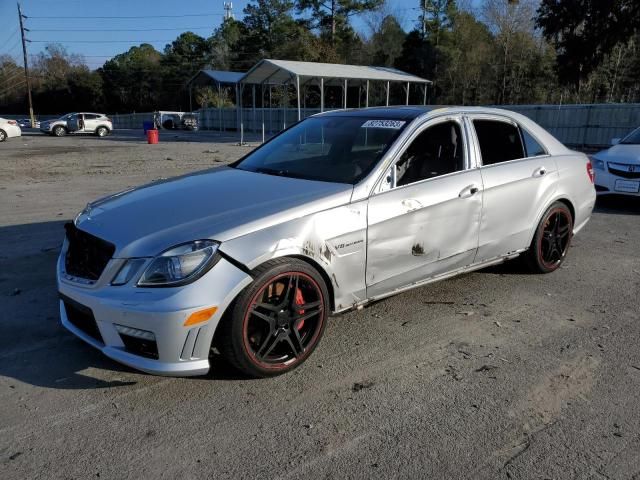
(275, 323)
(551, 241)
(59, 131)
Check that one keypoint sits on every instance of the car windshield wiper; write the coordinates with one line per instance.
(280, 173)
(272, 171)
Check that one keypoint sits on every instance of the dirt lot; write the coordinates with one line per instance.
(495, 374)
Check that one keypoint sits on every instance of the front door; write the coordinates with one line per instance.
(424, 219)
(74, 122)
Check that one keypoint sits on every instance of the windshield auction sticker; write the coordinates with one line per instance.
(394, 124)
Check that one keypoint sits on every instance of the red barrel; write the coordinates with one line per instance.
(152, 136)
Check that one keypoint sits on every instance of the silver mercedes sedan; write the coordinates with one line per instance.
(341, 209)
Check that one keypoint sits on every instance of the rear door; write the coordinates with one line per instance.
(423, 219)
(518, 176)
(91, 121)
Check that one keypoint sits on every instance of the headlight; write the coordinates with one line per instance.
(597, 164)
(180, 265)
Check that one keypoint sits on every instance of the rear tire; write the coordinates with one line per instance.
(3, 135)
(551, 241)
(102, 131)
(59, 131)
(276, 322)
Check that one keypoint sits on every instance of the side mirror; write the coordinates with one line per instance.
(615, 141)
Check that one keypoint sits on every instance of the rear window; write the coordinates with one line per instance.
(532, 146)
(499, 141)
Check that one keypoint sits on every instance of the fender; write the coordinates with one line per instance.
(321, 238)
(574, 184)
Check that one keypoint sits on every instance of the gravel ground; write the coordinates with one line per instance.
(495, 374)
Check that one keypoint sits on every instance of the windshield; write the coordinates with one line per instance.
(633, 138)
(337, 149)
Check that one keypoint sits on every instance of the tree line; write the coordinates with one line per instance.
(497, 52)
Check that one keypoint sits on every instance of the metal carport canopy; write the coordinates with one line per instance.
(269, 72)
(277, 72)
(220, 76)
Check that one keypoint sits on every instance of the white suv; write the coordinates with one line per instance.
(94, 123)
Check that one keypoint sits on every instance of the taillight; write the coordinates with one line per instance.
(590, 171)
(12, 122)
(108, 119)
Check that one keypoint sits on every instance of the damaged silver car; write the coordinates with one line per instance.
(339, 210)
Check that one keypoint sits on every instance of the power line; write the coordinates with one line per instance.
(120, 29)
(13, 76)
(131, 17)
(62, 40)
(10, 36)
(13, 87)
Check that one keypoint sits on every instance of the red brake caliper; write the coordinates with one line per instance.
(300, 301)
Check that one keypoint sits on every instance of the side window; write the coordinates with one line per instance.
(90, 116)
(436, 151)
(531, 145)
(499, 141)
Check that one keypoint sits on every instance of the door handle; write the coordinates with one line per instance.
(469, 191)
(411, 204)
(540, 172)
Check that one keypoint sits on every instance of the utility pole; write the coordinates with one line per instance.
(26, 66)
(424, 19)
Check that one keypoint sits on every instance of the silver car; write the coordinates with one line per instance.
(92, 123)
(341, 209)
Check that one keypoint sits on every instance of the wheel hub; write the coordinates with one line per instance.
(283, 319)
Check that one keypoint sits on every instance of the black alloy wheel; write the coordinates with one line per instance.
(552, 240)
(278, 320)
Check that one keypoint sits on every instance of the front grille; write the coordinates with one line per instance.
(87, 255)
(82, 318)
(626, 173)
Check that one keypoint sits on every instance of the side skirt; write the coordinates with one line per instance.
(436, 278)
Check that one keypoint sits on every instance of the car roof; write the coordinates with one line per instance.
(410, 112)
(397, 112)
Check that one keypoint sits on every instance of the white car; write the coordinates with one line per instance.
(9, 128)
(617, 169)
(93, 123)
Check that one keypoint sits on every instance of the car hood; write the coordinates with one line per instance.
(220, 204)
(621, 153)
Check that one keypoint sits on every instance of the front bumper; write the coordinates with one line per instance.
(609, 184)
(181, 350)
